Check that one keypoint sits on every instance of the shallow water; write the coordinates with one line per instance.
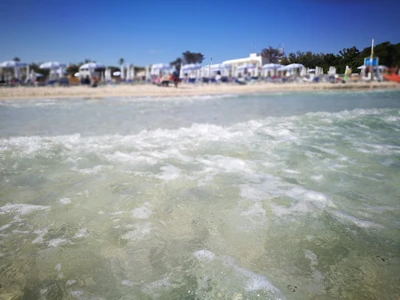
(279, 196)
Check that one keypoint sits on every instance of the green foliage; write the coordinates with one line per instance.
(389, 55)
(16, 58)
(272, 54)
(73, 68)
(36, 69)
(121, 61)
(177, 63)
(192, 57)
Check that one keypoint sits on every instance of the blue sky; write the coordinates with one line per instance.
(145, 32)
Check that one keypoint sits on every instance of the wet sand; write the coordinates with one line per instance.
(148, 90)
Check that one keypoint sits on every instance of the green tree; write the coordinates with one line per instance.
(73, 68)
(192, 57)
(16, 58)
(177, 63)
(121, 61)
(272, 54)
(36, 69)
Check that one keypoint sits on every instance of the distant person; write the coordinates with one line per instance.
(218, 76)
(175, 78)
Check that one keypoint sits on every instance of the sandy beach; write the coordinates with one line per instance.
(148, 90)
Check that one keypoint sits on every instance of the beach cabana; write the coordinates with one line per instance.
(249, 68)
(56, 69)
(16, 65)
(160, 68)
(89, 69)
(292, 68)
(222, 68)
(270, 68)
(192, 69)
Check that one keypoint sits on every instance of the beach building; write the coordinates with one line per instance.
(253, 59)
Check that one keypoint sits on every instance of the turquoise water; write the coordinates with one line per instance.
(279, 196)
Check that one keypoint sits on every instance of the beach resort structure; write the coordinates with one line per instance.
(251, 64)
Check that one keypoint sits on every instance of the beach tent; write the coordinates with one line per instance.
(148, 73)
(248, 67)
(270, 68)
(292, 68)
(157, 68)
(88, 69)
(92, 66)
(193, 69)
(223, 68)
(52, 65)
(56, 69)
(16, 65)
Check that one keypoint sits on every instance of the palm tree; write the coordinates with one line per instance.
(121, 61)
(16, 58)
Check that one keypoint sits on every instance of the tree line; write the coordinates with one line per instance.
(389, 55)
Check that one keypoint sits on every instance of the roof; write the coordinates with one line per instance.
(253, 59)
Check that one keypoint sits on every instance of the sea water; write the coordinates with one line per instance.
(276, 196)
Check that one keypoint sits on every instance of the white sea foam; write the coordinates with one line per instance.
(41, 233)
(143, 212)
(77, 294)
(358, 222)
(71, 282)
(254, 281)
(94, 170)
(57, 242)
(202, 255)
(21, 209)
(127, 282)
(139, 233)
(169, 173)
(5, 226)
(65, 201)
(81, 233)
(255, 210)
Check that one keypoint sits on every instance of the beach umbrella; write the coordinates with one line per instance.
(294, 66)
(92, 66)
(133, 72)
(271, 66)
(380, 67)
(77, 74)
(108, 75)
(121, 74)
(52, 65)
(117, 73)
(161, 67)
(16, 65)
(191, 67)
(147, 73)
(56, 68)
(12, 64)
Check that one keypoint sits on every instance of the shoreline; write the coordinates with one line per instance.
(149, 90)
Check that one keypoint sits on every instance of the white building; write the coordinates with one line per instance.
(253, 59)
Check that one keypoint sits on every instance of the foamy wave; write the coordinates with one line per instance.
(358, 222)
(143, 212)
(21, 209)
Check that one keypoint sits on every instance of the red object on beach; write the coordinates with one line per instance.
(392, 77)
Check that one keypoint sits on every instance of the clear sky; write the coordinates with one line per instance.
(153, 31)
